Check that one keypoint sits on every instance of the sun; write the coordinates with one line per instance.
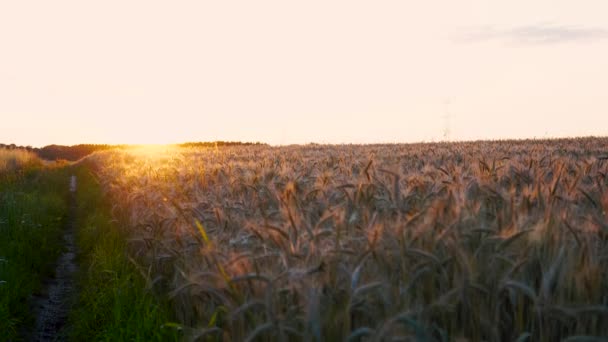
(152, 150)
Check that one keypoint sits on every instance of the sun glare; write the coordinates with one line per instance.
(152, 150)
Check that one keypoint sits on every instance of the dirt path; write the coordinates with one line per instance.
(52, 307)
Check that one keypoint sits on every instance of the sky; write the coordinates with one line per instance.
(285, 72)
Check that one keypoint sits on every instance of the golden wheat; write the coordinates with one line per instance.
(484, 241)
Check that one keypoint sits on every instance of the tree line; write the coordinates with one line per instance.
(76, 152)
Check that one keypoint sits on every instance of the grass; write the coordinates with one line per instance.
(113, 303)
(17, 159)
(32, 209)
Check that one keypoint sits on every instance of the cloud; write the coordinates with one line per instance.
(535, 34)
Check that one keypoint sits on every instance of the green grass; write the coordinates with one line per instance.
(32, 211)
(113, 304)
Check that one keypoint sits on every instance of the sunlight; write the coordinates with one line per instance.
(152, 150)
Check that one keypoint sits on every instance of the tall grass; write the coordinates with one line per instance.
(12, 160)
(113, 304)
(484, 241)
(32, 208)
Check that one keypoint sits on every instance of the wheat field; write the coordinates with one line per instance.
(480, 241)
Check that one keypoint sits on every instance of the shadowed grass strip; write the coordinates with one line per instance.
(32, 209)
(114, 304)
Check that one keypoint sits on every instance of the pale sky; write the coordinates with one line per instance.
(301, 71)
